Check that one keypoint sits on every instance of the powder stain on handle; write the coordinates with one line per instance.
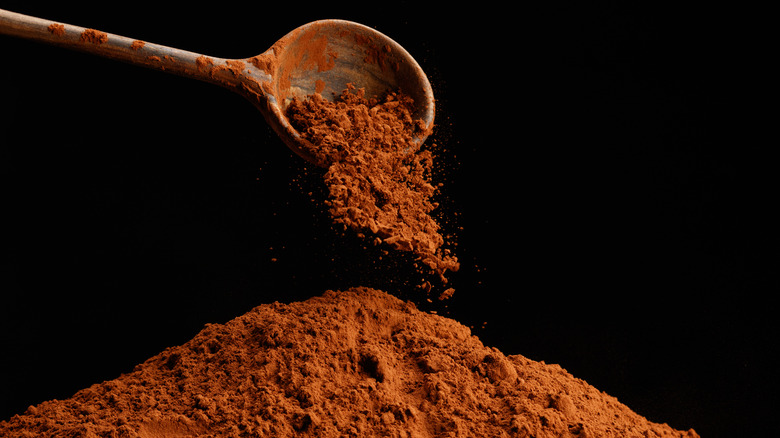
(94, 36)
(57, 29)
(204, 63)
(137, 45)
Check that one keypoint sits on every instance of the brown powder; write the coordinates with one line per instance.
(310, 52)
(319, 86)
(204, 62)
(94, 36)
(358, 363)
(379, 181)
(137, 45)
(57, 29)
(237, 67)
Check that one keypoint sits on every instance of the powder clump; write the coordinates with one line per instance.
(94, 36)
(379, 178)
(354, 363)
(57, 29)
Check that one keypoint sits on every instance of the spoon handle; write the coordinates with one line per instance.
(154, 56)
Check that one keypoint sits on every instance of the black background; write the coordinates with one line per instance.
(602, 173)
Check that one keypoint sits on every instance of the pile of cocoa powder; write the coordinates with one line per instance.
(354, 363)
(379, 177)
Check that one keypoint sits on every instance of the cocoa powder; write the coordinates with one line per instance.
(353, 363)
(94, 36)
(379, 180)
(57, 29)
(204, 62)
(356, 363)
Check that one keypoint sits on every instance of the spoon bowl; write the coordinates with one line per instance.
(321, 57)
(325, 56)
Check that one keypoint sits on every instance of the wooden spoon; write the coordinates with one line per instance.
(322, 56)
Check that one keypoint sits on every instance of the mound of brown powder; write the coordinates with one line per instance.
(358, 363)
(379, 181)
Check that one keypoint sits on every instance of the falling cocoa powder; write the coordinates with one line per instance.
(357, 363)
(379, 180)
